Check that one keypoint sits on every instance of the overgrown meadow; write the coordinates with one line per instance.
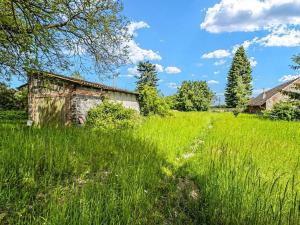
(189, 168)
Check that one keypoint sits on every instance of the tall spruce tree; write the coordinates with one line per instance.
(150, 101)
(237, 93)
(147, 75)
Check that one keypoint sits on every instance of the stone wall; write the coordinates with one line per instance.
(128, 100)
(49, 98)
(66, 102)
(281, 97)
(86, 98)
(274, 100)
(82, 101)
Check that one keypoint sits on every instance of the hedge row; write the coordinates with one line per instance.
(13, 115)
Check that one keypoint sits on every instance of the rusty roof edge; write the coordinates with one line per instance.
(81, 82)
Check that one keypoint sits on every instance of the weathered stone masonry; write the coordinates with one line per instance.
(64, 100)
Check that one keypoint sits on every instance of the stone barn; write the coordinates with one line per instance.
(60, 100)
(267, 99)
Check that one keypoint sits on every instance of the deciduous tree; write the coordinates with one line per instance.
(48, 34)
(151, 103)
(194, 96)
(11, 99)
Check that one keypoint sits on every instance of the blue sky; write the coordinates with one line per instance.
(174, 32)
(195, 40)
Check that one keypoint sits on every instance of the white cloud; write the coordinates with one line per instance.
(253, 62)
(216, 72)
(133, 71)
(220, 62)
(259, 91)
(288, 78)
(172, 70)
(134, 26)
(127, 75)
(217, 54)
(227, 53)
(251, 15)
(159, 68)
(246, 44)
(173, 85)
(281, 37)
(213, 82)
(279, 17)
(136, 53)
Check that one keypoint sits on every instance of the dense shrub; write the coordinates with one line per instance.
(194, 96)
(284, 111)
(112, 116)
(151, 103)
(171, 101)
(11, 99)
(297, 112)
(13, 115)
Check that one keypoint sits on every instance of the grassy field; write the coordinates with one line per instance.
(192, 168)
(248, 171)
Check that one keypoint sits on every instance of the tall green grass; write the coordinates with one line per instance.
(77, 176)
(248, 171)
(192, 168)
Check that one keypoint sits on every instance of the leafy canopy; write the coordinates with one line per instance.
(11, 99)
(194, 96)
(151, 103)
(239, 87)
(48, 34)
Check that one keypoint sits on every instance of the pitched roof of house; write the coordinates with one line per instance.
(81, 82)
(263, 97)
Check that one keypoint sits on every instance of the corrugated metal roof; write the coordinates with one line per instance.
(263, 97)
(81, 82)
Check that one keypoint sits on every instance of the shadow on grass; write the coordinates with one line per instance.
(76, 176)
